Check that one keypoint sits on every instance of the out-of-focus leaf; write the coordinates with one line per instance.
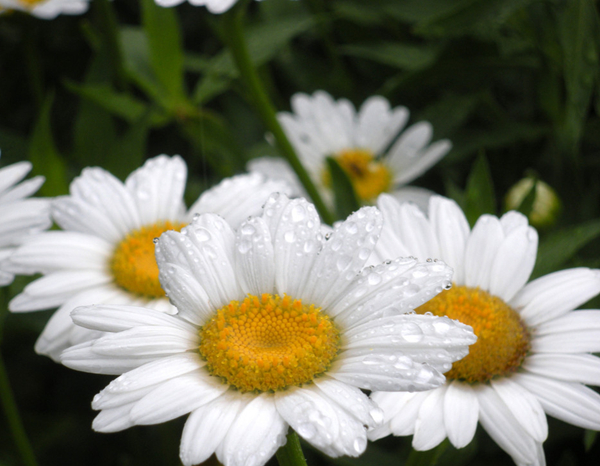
(346, 200)
(128, 150)
(165, 47)
(13, 145)
(501, 136)
(526, 205)
(214, 142)
(264, 42)
(449, 113)
(357, 12)
(589, 439)
(468, 16)
(560, 246)
(45, 157)
(396, 54)
(121, 104)
(578, 27)
(136, 54)
(479, 195)
(426, 458)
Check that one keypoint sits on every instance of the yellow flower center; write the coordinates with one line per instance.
(133, 263)
(369, 177)
(268, 343)
(502, 338)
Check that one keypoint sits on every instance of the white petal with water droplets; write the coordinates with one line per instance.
(390, 403)
(255, 435)
(254, 257)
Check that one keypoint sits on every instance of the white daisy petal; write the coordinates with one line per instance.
(311, 415)
(55, 288)
(355, 402)
(429, 425)
(296, 242)
(425, 159)
(59, 250)
(176, 397)
(116, 318)
(276, 168)
(406, 231)
(157, 188)
(255, 435)
(480, 252)
(583, 368)
(107, 194)
(12, 174)
(255, 257)
(391, 288)
(22, 190)
(390, 403)
(461, 413)
(113, 420)
(524, 406)
(571, 402)
(497, 419)
(57, 334)
(238, 197)
(404, 424)
(555, 294)
(576, 332)
(403, 152)
(144, 379)
(343, 256)
(207, 426)
(514, 262)
(378, 124)
(452, 230)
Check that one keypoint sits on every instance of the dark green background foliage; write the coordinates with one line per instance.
(513, 83)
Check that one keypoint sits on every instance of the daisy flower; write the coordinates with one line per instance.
(105, 252)
(214, 6)
(21, 217)
(532, 353)
(367, 144)
(276, 327)
(46, 9)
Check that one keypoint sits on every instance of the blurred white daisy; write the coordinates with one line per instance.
(214, 6)
(46, 9)
(276, 327)
(532, 353)
(21, 217)
(105, 252)
(367, 145)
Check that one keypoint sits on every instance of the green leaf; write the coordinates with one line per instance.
(120, 104)
(528, 201)
(396, 54)
(45, 157)
(165, 47)
(479, 195)
(589, 439)
(264, 42)
(426, 458)
(346, 200)
(128, 151)
(469, 16)
(561, 246)
(578, 30)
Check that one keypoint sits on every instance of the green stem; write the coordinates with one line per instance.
(10, 406)
(110, 34)
(291, 453)
(234, 34)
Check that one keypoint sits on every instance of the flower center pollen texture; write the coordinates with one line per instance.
(268, 343)
(133, 264)
(502, 338)
(368, 176)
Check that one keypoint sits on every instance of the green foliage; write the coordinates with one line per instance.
(346, 200)
(479, 197)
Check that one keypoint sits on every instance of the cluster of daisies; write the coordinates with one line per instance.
(250, 315)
